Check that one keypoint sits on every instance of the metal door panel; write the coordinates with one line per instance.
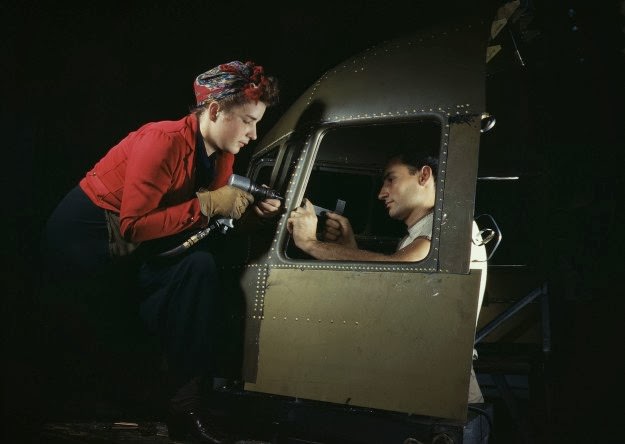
(387, 340)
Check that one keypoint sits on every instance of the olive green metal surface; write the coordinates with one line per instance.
(388, 340)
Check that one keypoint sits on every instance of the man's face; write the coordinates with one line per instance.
(402, 193)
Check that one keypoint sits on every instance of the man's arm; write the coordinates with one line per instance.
(303, 226)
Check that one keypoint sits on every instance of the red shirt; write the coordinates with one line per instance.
(149, 179)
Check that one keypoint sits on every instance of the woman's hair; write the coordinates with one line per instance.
(234, 83)
(269, 96)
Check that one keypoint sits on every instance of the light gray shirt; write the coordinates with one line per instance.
(423, 228)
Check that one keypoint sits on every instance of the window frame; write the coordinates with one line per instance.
(299, 179)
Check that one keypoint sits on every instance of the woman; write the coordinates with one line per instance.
(165, 179)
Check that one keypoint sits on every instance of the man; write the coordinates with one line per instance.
(408, 192)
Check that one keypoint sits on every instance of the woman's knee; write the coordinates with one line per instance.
(199, 262)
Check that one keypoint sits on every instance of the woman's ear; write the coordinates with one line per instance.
(425, 174)
(213, 111)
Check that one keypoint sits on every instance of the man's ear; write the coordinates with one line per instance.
(213, 111)
(425, 174)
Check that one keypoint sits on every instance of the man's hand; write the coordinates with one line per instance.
(302, 224)
(337, 229)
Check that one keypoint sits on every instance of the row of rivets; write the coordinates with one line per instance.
(319, 321)
(375, 115)
(339, 267)
(333, 119)
(261, 285)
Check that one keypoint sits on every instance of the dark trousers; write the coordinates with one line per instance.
(77, 291)
(75, 241)
(85, 320)
(185, 308)
(179, 298)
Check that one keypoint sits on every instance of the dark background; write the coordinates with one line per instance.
(76, 79)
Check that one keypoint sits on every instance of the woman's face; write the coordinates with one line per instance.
(231, 130)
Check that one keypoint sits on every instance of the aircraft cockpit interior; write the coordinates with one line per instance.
(347, 173)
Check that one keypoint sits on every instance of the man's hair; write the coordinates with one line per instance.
(415, 159)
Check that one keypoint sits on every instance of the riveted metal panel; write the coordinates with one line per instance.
(392, 336)
(392, 341)
(437, 70)
(458, 195)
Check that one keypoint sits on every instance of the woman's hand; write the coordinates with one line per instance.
(226, 201)
(268, 208)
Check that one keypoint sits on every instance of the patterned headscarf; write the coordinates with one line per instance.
(230, 79)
